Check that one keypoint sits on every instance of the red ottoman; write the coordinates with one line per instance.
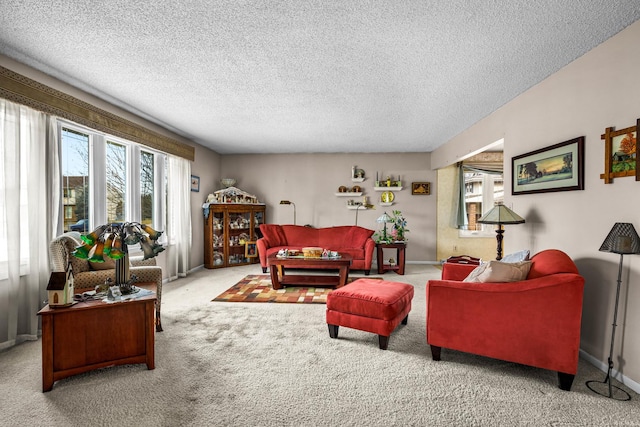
(369, 305)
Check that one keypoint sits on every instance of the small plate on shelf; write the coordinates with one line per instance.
(387, 197)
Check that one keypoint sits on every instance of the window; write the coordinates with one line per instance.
(99, 172)
(482, 192)
(75, 175)
(146, 187)
(116, 182)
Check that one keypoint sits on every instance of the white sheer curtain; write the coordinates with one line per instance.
(28, 165)
(178, 216)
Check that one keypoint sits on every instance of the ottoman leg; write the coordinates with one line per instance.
(333, 331)
(405, 320)
(383, 342)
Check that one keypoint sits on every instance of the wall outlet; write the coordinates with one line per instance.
(455, 248)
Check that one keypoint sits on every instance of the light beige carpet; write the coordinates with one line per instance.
(244, 364)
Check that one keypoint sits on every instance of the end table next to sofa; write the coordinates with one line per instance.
(398, 267)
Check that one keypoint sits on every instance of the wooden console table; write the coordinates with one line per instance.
(93, 334)
(399, 265)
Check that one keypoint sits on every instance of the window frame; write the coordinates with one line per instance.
(98, 179)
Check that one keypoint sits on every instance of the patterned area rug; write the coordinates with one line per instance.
(257, 288)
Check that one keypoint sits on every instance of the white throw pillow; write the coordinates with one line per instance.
(517, 256)
(499, 272)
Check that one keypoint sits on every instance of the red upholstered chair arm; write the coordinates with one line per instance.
(534, 322)
(458, 272)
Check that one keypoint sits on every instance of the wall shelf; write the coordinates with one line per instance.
(387, 188)
(354, 207)
(349, 194)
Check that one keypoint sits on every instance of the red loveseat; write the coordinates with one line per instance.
(534, 322)
(350, 239)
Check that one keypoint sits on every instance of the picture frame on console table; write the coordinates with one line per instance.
(559, 167)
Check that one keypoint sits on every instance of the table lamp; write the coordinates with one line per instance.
(500, 214)
(384, 219)
(113, 240)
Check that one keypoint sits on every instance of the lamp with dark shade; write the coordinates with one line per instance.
(622, 239)
(500, 215)
(287, 202)
(112, 240)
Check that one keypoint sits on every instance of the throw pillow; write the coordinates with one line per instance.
(517, 256)
(499, 272)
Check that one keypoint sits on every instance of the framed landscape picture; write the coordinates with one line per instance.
(619, 153)
(559, 167)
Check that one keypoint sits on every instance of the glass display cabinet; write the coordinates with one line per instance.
(231, 231)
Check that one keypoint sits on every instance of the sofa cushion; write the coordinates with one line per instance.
(517, 256)
(298, 235)
(499, 272)
(273, 234)
(358, 236)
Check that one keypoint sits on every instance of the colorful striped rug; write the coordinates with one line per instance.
(257, 288)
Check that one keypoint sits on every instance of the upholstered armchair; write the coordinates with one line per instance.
(535, 321)
(88, 275)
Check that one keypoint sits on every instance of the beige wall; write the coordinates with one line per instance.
(598, 90)
(448, 240)
(311, 181)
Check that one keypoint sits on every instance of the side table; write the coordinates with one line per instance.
(93, 334)
(399, 266)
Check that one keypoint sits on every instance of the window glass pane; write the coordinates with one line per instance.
(146, 187)
(116, 182)
(75, 180)
(482, 192)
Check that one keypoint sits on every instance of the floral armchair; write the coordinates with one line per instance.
(88, 275)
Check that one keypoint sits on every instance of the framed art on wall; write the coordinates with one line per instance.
(420, 188)
(559, 167)
(195, 183)
(619, 153)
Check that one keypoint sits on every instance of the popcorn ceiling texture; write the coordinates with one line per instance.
(293, 76)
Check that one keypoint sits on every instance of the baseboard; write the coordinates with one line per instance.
(614, 373)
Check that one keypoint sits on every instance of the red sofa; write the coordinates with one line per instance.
(350, 239)
(534, 322)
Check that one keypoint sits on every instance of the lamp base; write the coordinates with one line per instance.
(606, 389)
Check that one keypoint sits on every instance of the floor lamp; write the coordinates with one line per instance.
(287, 202)
(622, 239)
(500, 214)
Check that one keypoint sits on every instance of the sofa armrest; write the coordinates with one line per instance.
(458, 272)
(261, 245)
(534, 322)
(369, 248)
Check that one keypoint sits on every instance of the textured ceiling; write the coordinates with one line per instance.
(294, 76)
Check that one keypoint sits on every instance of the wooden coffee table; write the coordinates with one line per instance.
(93, 334)
(279, 279)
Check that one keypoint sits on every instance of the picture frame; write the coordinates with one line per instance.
(420, 188)
(195, 183)
(250, 249)
(619, 153)
(558, 167)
